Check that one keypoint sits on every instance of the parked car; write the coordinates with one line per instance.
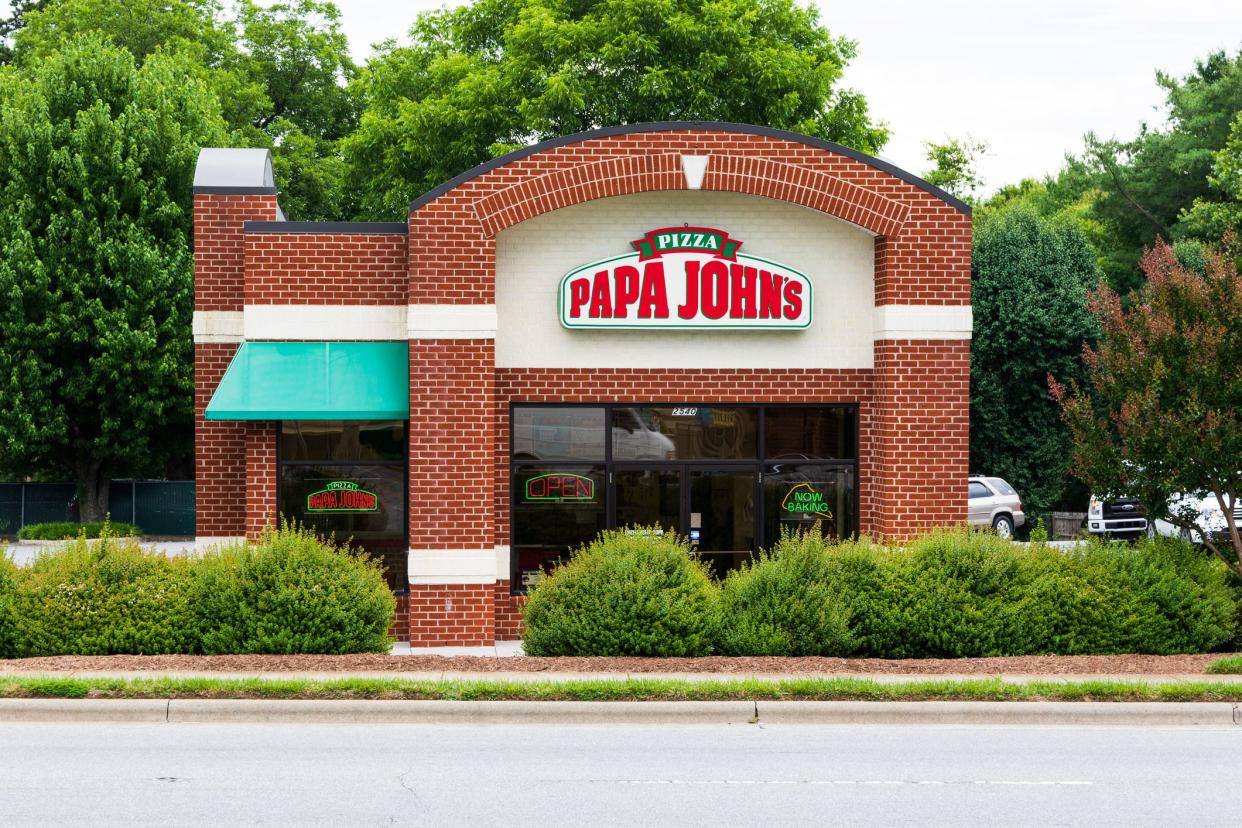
(1120, 517)
(1207, 516)
(993, 502)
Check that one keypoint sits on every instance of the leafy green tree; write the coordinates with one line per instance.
(1207, 218)
(1030, 279)
(18, 9)
(280, 71)
(96, 269)
(493, 75)
(956, 166)
(1147, 183)
(1161, 416)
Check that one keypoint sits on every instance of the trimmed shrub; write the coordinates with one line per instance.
(291, 593)
(625, 593)
(104, 598)
(8, 611)
(786, 603)
(68, 530)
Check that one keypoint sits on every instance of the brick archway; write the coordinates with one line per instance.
(630, 174)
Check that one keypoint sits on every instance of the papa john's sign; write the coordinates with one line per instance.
(685, 278)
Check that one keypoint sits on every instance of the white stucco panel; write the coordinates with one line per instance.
(531, 258)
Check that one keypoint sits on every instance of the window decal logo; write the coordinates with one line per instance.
(342, 496)
(685, 278)
(804, 500)
(557, 487)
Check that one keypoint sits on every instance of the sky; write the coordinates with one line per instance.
(1027, 77)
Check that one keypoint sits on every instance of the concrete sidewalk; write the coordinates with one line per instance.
(198, 711)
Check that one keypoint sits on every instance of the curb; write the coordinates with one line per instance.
(232, 711)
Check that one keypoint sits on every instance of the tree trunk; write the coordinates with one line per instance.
(93, 492)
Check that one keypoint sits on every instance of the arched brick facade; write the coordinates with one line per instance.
(913, 399)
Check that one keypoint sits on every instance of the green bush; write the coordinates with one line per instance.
(8, 612)
(625, 593)
(68, 530)
(101, 598)
(787, 602)
(291, 593)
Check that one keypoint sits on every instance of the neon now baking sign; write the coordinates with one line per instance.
(685, 278)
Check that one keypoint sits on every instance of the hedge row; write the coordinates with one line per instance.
(288, 593)
(67, 530)
(949, 594)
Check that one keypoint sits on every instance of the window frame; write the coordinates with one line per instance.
(759, 465)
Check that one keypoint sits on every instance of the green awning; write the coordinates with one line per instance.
(315, 381)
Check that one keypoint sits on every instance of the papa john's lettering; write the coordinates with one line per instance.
(685, 278)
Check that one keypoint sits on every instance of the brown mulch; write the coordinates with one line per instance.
(1018, 665)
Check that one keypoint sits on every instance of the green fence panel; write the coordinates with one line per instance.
(164, 507)
(10, 508)
(50, 502)
(121, 501)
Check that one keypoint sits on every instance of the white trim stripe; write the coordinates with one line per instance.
(453, 566)
(923, 322)
(217, 326)
(325, 322)
(451, 322)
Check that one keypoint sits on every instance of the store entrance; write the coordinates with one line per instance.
(714, 507)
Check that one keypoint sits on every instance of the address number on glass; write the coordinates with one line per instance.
(685, 412)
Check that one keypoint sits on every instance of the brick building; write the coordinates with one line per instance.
(718, 329)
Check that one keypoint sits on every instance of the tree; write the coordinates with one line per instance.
(1029, 283)
(280, 72)
(493, 75)
(1206, 218)
(18, 9)
(1145, 184)
(96, 270)
(956, 169)
(1160, 416)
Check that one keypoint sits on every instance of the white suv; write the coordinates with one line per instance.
(993, 502)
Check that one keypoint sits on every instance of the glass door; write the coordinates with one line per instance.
(722, 516)
(649, 497)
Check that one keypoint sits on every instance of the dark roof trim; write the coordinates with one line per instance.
(710, 126)
(323, 228)
(234, 191)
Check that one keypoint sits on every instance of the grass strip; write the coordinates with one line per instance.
(817, 689)
(1229, 665)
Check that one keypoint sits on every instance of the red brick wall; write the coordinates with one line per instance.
(921, 435)
(218, 248)
(260, 477)
(400, 629)
(219, 451)
(508, 613)
(330, 269)
(452, 615)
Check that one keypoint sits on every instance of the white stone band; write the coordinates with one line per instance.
(217, 326)
(456, 566)
(325, 322)
(451, 322)
(923, 322)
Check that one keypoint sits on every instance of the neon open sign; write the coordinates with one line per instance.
(559, 487)
(685, 278)
(342, 496)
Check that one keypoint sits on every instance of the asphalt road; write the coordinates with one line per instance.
(128, 774)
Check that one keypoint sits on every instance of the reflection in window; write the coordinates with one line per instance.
(343, 440)
(555, 509)
(801, 498)
(564, 433)
(809, 433)
(684, 433)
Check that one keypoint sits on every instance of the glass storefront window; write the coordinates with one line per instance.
(565, 433)
(347, 480)
(689, 432)
(801, 498)
(555, 509)
(342, 440)
(809, 433)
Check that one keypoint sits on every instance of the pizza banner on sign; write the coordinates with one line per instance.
(685, 278)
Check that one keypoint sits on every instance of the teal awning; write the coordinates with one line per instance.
(315, 381)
